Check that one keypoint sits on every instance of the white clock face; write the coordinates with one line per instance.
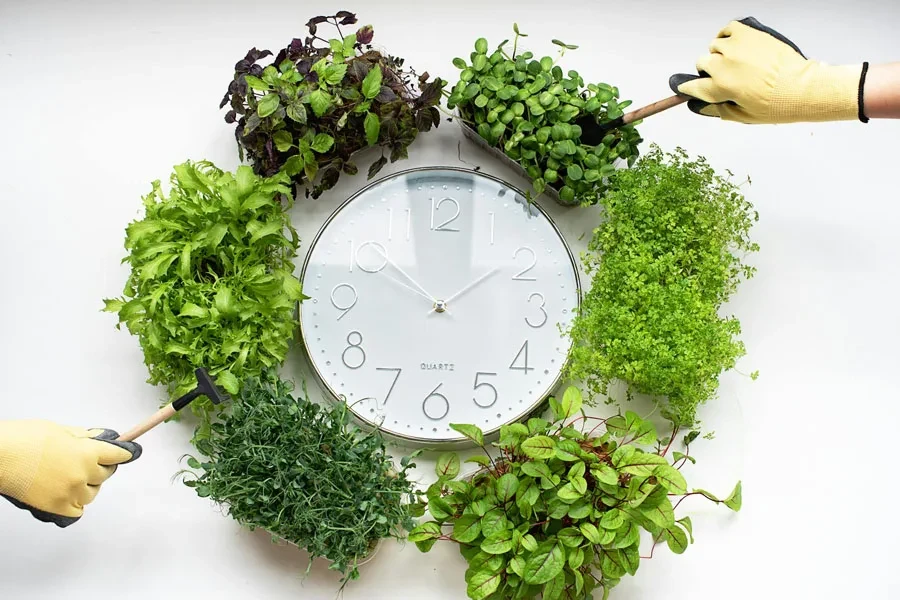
(438, 296)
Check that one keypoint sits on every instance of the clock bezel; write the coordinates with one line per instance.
(413, 440)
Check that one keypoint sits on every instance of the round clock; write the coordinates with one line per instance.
(438, 296)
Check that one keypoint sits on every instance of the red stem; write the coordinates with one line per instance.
(671, 439)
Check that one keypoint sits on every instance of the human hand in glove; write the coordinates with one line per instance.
(753, 74)
(54, 471)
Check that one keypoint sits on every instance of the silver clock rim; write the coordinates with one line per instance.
(334, 396)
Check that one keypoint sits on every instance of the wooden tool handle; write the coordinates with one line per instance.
(652, 109)
(158, 417)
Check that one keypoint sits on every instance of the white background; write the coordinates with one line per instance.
(100, 98)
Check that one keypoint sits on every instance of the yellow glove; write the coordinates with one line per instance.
(754, 74)
(54, 471)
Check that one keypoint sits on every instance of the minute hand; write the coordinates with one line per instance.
(405, 274)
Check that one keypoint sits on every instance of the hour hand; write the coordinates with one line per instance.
(441, 306)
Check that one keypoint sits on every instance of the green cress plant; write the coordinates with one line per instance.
(538, 116)
(667, 255)
(559, 513)
(211, 281)
(302, 473)
(322, 100)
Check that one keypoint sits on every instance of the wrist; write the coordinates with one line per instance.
(881, 92)
(822, 92)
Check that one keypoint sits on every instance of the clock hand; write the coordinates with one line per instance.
(412, 289)
(421, 291)
(467, 288)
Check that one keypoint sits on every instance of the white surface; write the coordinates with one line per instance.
(100, 98)
(464, 239)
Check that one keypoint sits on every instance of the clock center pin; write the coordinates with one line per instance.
(440, 306)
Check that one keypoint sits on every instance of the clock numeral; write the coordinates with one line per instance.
(359, 352)
(436, 206)
(345, 308)
(522, 354)
(540, 307)
(492, 228)
(483, 384)
(390, 235)
(379, 249)
(393, 383)
(390, 224)
(432, 402)
(520, 276)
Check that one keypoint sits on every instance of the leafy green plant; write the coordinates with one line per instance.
(322, 100)
(301, 472)
(668, 254)
(211, 281)
(559, 513)
(543, 118)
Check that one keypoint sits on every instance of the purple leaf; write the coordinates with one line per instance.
(364, 34)
(254, 55)
(312, 77)
(295, 49)
(238, 87)
(423, 120)
(281, 56)
(253, 122)
(398, 152)
(242, 66)
(311, 24)
(385, 95)
(431, 93)
(348, 17)
(256, 71)
(358, 70)
(230, 116)
(225, 100)
(377, 166)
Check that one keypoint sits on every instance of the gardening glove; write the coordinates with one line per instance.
(754, 74)
(54, 471)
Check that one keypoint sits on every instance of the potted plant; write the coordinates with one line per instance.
(211, 281)
(542, 119)
(670, 250)
(301, 472)
(560, 512)
(320, 101)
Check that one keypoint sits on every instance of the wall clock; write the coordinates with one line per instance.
(438, 296)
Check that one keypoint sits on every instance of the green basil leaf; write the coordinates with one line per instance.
(320, 101)
(372, 125)
(371, 85)
(322, 143)
(267, 105)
